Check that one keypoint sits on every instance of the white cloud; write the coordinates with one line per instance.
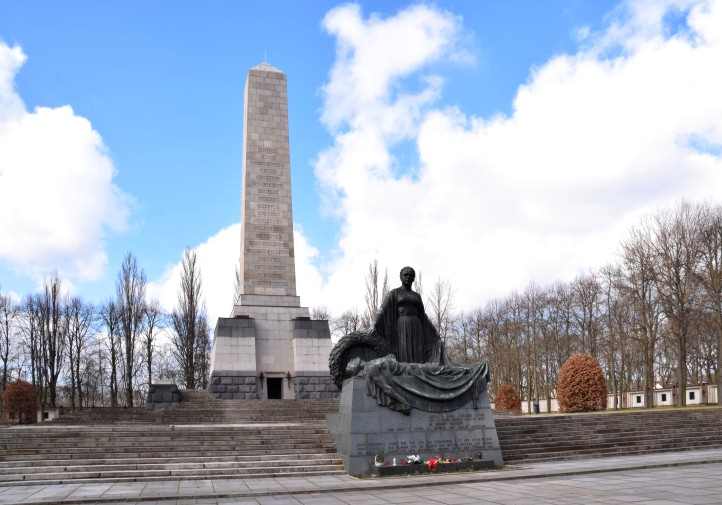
(217, 258)
(595, 140)
(630, 122)
(57, 196)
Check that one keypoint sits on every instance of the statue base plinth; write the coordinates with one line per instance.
(362, 429)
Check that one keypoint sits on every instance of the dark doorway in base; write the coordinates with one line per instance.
(274, 385)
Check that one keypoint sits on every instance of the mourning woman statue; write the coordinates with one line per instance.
(403, 359)
(402, 323)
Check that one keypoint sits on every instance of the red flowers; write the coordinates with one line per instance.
(432, 463)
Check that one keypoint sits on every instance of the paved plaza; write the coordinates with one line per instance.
(690, 478)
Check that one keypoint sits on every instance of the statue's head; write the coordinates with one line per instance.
(407, 277)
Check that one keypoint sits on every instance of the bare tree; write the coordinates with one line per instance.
(203, 352)
(111, 320)
(373, 295)
(587, 293)
(167, 364)
(441, 305)
(710, 277)
(611, 281)
(30, 329)
(320, 314)
(677, 251)
(53, 335)
(8, 316)
(640, 287)
(187, 316)
(153, 323)
(80, 322)
(130, 295)
(348, 322)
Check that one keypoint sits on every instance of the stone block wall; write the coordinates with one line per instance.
(233, 385)
(315, 386)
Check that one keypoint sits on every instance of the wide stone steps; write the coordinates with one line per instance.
(155, 454)
(163, 452)
(110, 444)
(170, 470)
(607, 452)
(258, 473)
(552, 438)
(196, 440)
(9, 466)
(201, 408)
(640, 442)
(68, 450)
(622, 436)
(27, 467)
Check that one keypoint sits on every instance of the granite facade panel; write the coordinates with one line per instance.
(233, 385)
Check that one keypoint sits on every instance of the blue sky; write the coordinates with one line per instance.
(162, 84)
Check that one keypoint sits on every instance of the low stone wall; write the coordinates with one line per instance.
(233, 385)
(314, 386)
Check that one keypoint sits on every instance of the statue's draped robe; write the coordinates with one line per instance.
(386, 326)
(418, 374)
(424, 386)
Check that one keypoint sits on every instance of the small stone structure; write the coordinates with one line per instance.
(362, 429)
(269, 348)
(163, 396)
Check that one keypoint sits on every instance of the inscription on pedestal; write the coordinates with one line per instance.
(363, 429)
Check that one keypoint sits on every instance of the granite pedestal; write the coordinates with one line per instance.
(362, 429)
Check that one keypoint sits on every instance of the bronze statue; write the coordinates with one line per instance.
(402, 323)
(404, 360)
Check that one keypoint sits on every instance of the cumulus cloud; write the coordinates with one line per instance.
(629, 122)
(218, 257)
(57, 196)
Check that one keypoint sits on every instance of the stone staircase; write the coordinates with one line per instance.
(560, 437)
(202, 438)
(199, 407)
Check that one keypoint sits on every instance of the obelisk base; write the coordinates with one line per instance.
(271, 352)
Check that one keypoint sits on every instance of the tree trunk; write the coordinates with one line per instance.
(682, 371)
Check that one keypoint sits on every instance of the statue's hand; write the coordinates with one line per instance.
(355, 367)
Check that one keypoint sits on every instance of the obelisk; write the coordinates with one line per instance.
(269, 348)
(267, 259)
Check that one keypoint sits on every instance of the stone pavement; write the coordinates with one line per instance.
(664, 479)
